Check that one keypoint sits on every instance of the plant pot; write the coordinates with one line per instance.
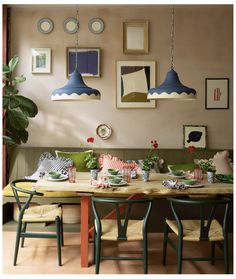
(145, 175)
(211, 176)
(94, 174)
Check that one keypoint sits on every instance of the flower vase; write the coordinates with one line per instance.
(94, 174)
(145, 175)
(211, 176)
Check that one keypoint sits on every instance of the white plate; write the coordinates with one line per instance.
(122, 183)
(63, 177)
(176, 176)
(194, 186)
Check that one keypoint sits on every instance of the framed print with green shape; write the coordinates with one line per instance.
(134, 79)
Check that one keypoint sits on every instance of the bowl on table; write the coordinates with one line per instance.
(54, 174)
(113, 171)
(115, 180)
(190, 181)
(177, 172)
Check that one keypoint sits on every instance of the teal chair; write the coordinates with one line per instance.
(123, 228)
(205, 228)
(35, 214)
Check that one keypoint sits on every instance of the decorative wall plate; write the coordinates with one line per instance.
(70, 25)
(104, 131)
(45, 25)
(96, 25)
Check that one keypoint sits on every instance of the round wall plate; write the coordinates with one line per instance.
(45, 25)
(104, 131)
(71, 25)
(96, 25)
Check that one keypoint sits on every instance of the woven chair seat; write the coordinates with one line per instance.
(42, 213)
(110, 231)
(191, 230)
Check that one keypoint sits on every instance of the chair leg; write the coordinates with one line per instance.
(145, 255)
(166, 230)
(213, 252)
(226, 262)
(23, 230)
(58, 230)
(97, 253)
(94, 246)
(17, 244)
(61, 231)
(180, 253)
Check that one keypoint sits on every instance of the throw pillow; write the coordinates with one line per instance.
(107, 161)
(76, 157)
(222, 162)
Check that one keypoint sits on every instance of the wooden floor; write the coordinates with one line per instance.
(39, 256)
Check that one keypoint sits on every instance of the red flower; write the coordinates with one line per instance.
(154, 144)
(191, 149)
(91, 139)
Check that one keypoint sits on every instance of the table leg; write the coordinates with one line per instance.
(84, 229)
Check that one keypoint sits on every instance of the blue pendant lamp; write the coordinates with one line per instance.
(172, 88)
(75, 89)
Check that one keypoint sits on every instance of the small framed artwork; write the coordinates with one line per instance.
(195, 135)
(217, 93)
(41, 60)
(134, 79)
(88, 61)
(135, 36)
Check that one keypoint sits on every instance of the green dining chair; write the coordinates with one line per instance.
(35, 214)
(205, 228)
(123, 228)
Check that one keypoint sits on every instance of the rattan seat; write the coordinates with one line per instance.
(42, 213)
(191, 230)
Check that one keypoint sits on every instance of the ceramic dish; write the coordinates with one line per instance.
(122, 183)
(194, 186)
(63, 177)
(176, 176)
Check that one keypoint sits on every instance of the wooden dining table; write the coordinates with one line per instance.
(133, 190)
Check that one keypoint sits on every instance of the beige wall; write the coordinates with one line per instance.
(203, 48)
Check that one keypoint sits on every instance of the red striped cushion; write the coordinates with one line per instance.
(107, 161)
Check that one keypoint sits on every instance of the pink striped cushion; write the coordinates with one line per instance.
(107, 161)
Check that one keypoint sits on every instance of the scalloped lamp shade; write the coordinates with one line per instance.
(171, 88)
(75, 90)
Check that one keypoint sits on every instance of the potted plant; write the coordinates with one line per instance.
(150, 160)
(16, 108)
(92, 164)
(207, 166)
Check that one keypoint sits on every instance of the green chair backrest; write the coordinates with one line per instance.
(123, 212)
(23, 205)
(206, 211)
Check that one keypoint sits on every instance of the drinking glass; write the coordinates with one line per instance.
(126, 174)
(72, 174)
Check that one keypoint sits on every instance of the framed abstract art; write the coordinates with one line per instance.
(134, 79)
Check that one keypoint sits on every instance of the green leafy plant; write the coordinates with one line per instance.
(151, 158)
(91, 161)
(16, 108)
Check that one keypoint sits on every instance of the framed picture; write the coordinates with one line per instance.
(134, 79)
(41, 60)
(135, 36)
(217, 93)
(88, 61)
(195, 135)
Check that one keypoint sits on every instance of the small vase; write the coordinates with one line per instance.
(145, 174)
(94, 174)
(211, 176)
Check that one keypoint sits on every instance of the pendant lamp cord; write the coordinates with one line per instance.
(77, 37)
(172, 37)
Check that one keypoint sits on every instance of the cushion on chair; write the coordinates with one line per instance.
(110, 232)
(191, 230)
(76, 157)
(222, 163)
(7, 191)
(42, 213)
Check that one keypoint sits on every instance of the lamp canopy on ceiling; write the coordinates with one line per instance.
(172, 88)
(75, 89)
